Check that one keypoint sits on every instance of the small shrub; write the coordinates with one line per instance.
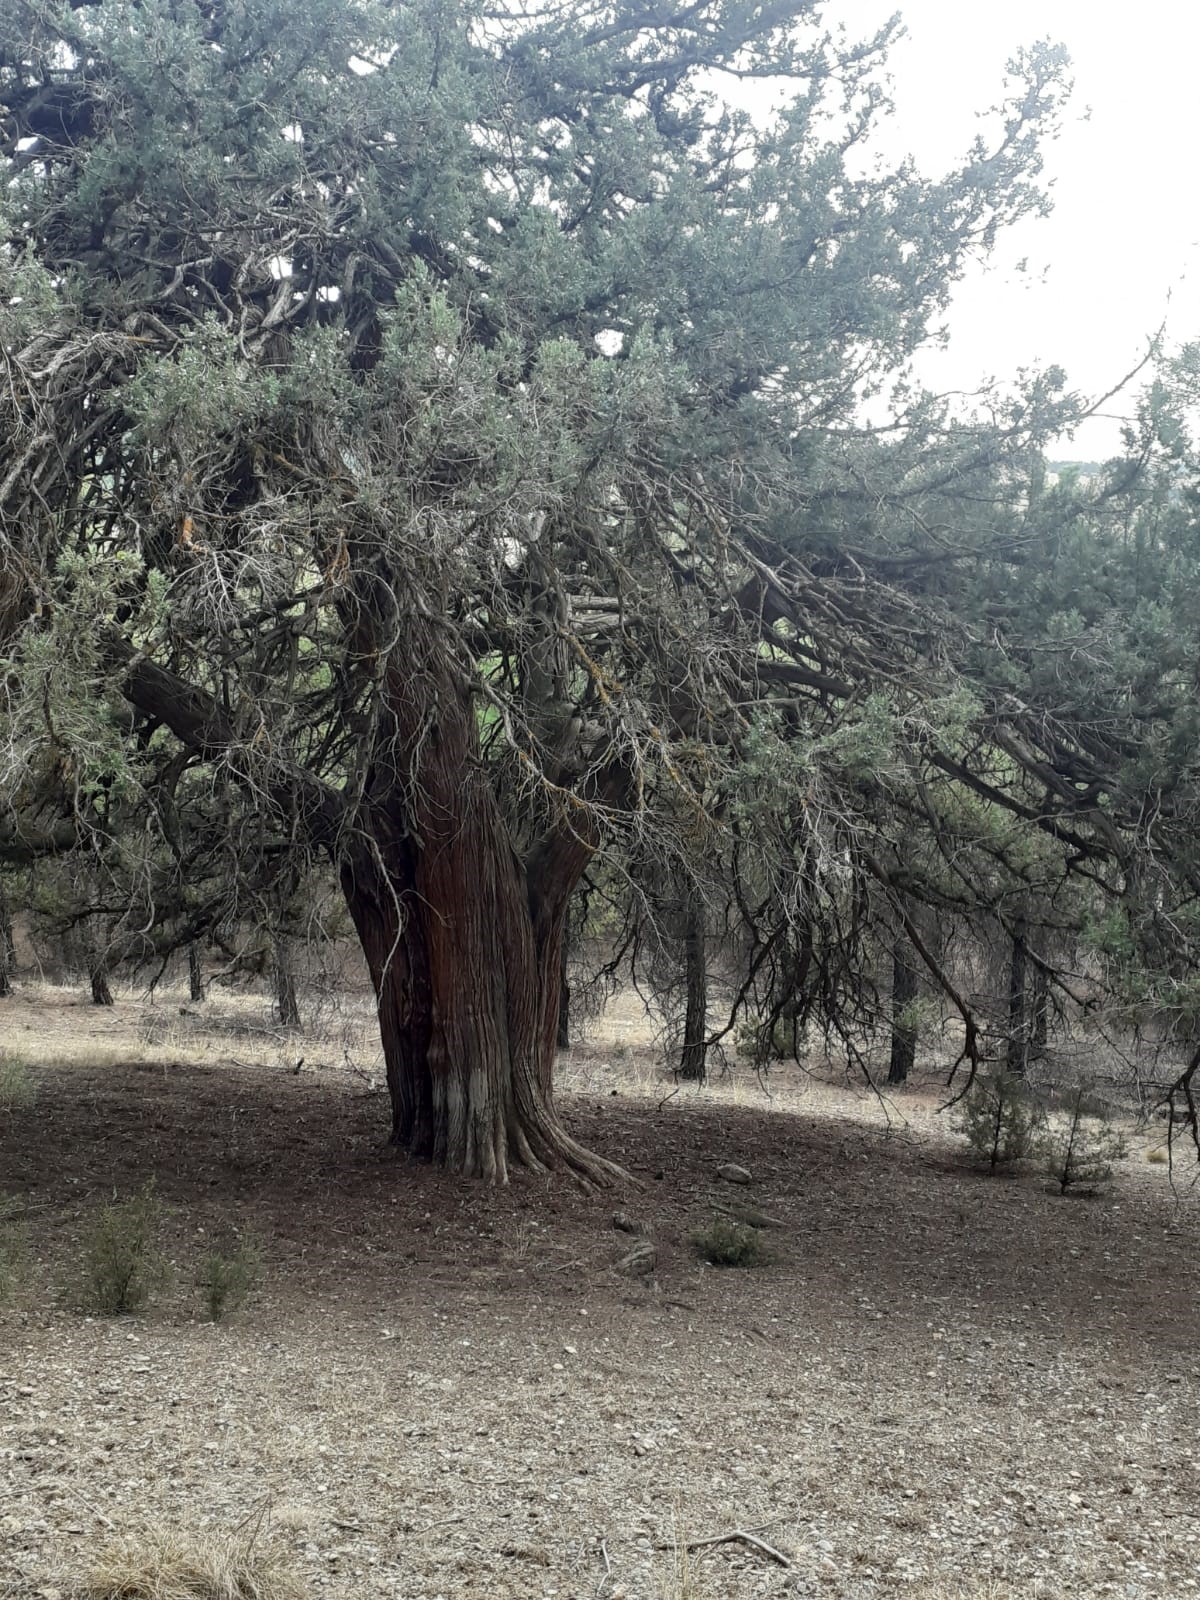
(123, 1266)
(161, 1565)
(729, 1244)
(13, 1248)
(229, 1277)
(1000, 1119)
(1082, 1148)
(16, 1084)
(760, 1043)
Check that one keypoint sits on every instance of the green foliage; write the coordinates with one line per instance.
(229, 1277)
(1000, 1118)
(729, 1244)
(207, 393)
(17, 1091)
(867, 744)
(123, 1264)
(1080, 1147)
(1108, 932)
(918, 1016)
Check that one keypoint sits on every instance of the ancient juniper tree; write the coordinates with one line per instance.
(424, 434)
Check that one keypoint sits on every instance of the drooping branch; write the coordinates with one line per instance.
(197, 719)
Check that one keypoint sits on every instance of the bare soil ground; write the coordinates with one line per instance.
(941, 1383)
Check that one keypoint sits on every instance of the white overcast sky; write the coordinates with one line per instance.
(1121, 251)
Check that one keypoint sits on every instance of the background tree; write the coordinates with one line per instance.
(904, 1026)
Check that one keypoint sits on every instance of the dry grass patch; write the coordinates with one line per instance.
(984, 1589)
(16, 1084)
(159, 1565)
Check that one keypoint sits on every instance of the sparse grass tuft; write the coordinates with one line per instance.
(229, 1277)
(729, 1244)
(680, 1582)
(16, 1083)
(123, 1266)
(162, 1565)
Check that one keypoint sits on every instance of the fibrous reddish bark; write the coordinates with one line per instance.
(463, 939)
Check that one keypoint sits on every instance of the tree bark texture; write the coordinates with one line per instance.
(462, 936)
(694, 1054)
(564, 1002)
(287, 1002)
(904, 1031)
(8, 948)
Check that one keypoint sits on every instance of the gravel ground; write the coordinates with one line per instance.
(939, 1384)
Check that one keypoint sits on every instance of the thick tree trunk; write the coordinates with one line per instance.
(1017, 1054)
(904, 1031)
(693, 1056)
(463, 940)
(286, 999)
(564, 1002)
(195, 973)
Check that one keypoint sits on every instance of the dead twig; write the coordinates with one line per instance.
(739, 1536)
(606, 1579)
(95, 1511)
(442, 1522)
